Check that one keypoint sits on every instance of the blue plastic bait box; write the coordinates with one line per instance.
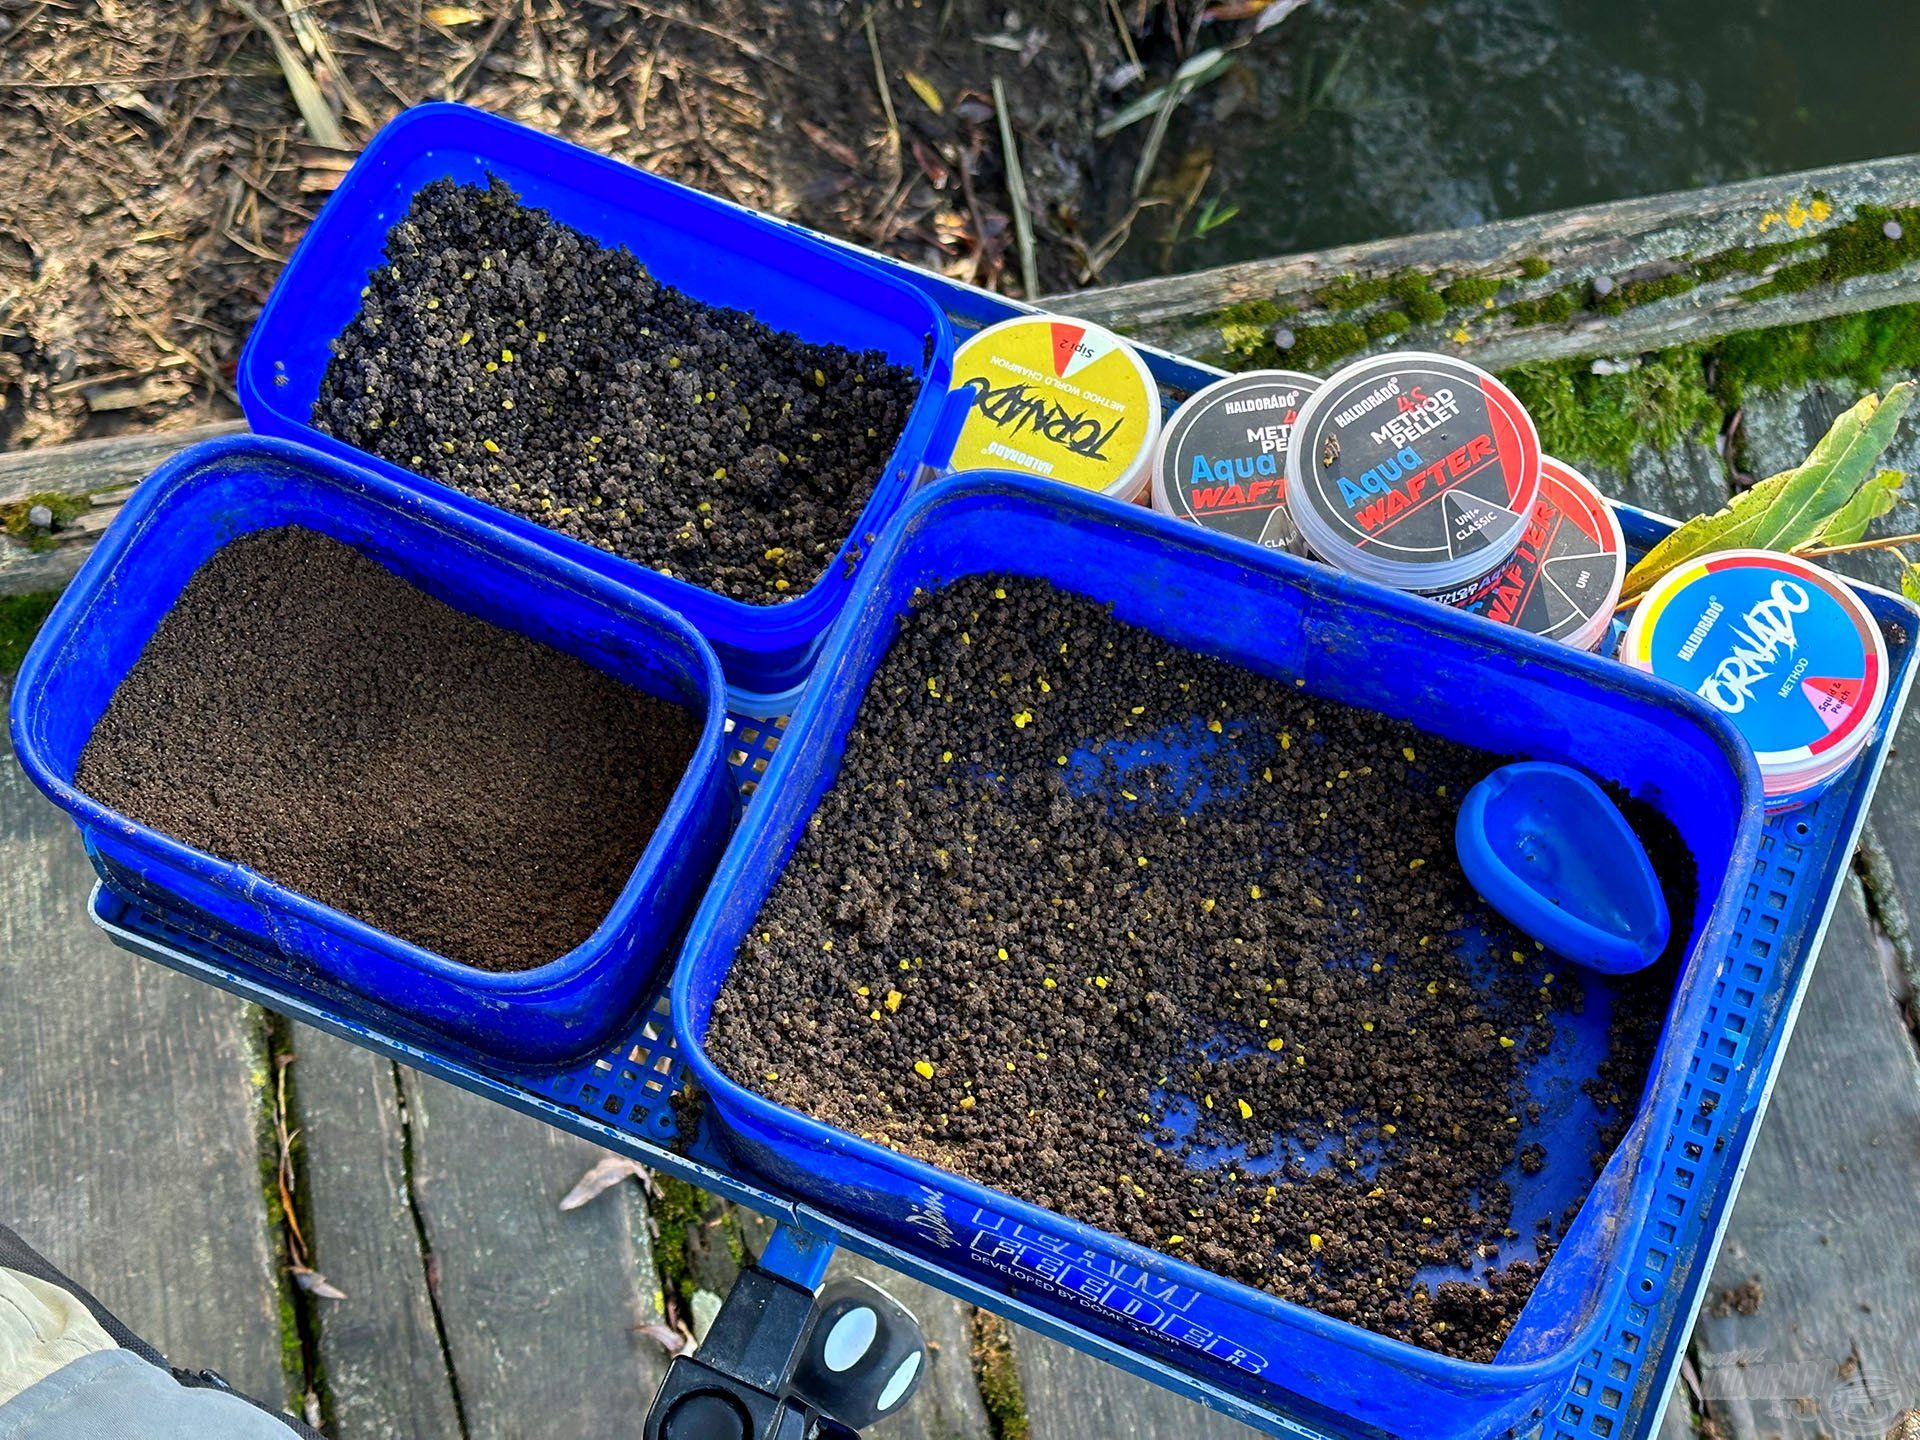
(213, 493)
(716, 252)
(1448, 674)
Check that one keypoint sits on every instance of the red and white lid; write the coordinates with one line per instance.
(1563, 579)
(1416, 470)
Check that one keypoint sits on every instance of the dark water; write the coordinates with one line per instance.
(1356, 119)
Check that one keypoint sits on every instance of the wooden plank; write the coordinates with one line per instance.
(131, 1112)
(98, 464)
(1687, 479)
(1634, 246)
(541, 1309)
(105, 468)
(386, 1373)
(1072, 1396)
(1829, 1341)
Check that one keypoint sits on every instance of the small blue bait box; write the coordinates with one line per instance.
(209, 495)
(1448, 674)
(718, 253)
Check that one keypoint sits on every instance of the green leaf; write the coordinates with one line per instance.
(1730, 528)
(1201, 69)
(1840, 464)
(1910, 581)
(1869, 503)
(1796, 508)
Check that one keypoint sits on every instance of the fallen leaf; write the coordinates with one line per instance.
(674, 1342)
(928, 93)
(1840, 464)
(606, 1172)
(314, 1283)
(454, 15)
(1201, 69)
(321, 124)
(1275, 13)
(1869, 503)
(931, 165)
(839, 150)
(1792, 510)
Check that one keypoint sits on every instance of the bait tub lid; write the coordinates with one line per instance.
(1564, 577)
(1780, 646)
(1223, 456)
(1416, 470)
(1060, 399)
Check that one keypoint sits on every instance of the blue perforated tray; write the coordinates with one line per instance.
(622, 1099)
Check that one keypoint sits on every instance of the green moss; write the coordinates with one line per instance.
(1254, 312)
(677, 1210)
(1746, 260)
(1316, 347)
(20, 619)
(1636, 293)
(1415, 291)
(1860, 247)
(1861, 349)
(1351, 292)
(1474, 290)
(1586, 418)
(65, 508)
(1535, 267)
(1001, 1394)
(1553, 309)
(1245, 347)
(1383, 323)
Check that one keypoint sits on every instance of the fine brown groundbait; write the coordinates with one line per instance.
(1198, 1019)
(516, 359)
(307, 713)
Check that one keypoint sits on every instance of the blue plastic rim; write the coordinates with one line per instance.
(719, 253)
(209, 495)
(1347, 641)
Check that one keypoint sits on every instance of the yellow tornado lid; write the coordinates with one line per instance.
(1061, 399)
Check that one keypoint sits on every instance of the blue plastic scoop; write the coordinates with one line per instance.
(1546, 848)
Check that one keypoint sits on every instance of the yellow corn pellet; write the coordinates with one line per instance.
(924, 1069)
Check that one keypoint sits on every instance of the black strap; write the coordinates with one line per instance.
(16, 1254)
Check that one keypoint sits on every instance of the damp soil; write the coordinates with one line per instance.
(1242, 1008)
(303, 711)
(522, 362)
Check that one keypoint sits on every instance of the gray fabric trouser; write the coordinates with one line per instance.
(114, 1393)
(62, 1377)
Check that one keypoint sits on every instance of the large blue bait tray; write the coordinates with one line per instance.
(1337, 639)
(1726, 1063)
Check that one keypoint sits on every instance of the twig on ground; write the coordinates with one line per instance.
(314, 110)
(1017, 195)
(313, 40)
(885, 88)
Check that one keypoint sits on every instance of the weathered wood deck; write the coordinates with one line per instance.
(137, 1124)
